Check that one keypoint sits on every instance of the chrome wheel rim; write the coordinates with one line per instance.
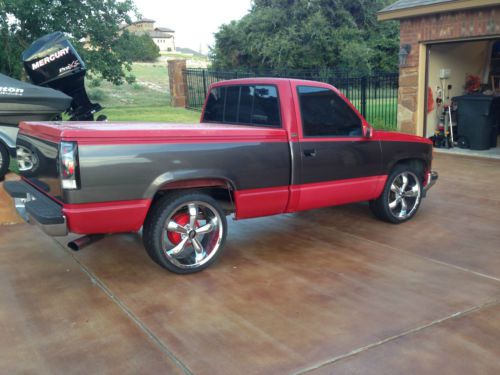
(26, 159)
(404, 195)
(192, 235)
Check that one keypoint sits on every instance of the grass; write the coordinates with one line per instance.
(155, 73)
(152, 114)
(13, 166)
(179, 55)
(150, 89)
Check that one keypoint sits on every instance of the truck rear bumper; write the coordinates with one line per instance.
(36, 208)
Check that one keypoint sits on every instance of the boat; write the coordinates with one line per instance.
(57, 75)
(21, 101)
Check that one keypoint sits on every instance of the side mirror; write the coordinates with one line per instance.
(367, 131)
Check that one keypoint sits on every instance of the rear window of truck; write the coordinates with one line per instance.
(256, 105)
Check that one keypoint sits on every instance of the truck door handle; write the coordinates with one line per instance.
(310, 152)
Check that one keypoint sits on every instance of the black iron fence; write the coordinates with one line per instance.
(375, 96)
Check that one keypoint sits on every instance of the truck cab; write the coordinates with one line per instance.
(336, 157)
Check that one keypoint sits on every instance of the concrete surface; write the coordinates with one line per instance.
(8, 214)
(326, 291)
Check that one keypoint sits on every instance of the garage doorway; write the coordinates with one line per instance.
(463, 97)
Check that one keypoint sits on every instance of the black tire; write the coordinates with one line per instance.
(381, 206)
(4, 161)
(166, 209)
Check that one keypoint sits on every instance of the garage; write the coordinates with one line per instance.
(449, 73)
(463, 96)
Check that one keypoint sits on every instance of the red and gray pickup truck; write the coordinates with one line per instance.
(263, 147)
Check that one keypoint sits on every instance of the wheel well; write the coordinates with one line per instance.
(418, 164)
(7, 148)
(219, 190)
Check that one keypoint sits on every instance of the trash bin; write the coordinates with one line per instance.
(495, 131)
(478, 120)
(494, 135)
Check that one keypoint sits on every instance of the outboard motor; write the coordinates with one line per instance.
(52, 61)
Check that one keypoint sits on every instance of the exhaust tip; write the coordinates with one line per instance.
(73, 246)
(80, 243)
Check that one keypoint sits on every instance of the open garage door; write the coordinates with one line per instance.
(463, 96)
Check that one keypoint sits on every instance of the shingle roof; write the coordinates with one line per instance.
(148, 20)
(164, 29)
(159, 34)
(405, 4)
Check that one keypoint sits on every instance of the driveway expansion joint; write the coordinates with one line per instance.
(123, 307)
(412, 331)
(437, 261)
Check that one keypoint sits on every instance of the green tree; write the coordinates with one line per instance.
(137, 47)
(309, 34)
(24, 21)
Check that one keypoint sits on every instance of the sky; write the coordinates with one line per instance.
(194, 21)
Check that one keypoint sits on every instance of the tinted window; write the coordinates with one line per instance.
(232, 98)
(214, 110)
(324, 113)
(246, 105)
(265, 106)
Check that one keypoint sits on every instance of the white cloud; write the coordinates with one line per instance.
(194, 21)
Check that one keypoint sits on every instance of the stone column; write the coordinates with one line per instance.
(178, 83)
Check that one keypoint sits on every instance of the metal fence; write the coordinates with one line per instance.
(375, 96)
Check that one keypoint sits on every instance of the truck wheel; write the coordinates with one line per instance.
(185, 232)
(401, 197)
(4, 161)
(28, 160)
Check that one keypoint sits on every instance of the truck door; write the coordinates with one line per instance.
(337, 164)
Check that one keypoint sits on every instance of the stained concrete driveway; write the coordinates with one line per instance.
(326, 291)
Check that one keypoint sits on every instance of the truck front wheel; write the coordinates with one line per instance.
(185, 232)
(401, 197)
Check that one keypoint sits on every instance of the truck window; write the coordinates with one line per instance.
(244, 105)
(214, 110)
(324, 113)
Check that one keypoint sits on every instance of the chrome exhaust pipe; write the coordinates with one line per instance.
(80, 243)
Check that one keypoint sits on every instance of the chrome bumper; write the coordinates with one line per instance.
(36, 208)
(432, 177)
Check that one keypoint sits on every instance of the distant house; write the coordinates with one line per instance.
(163, 37)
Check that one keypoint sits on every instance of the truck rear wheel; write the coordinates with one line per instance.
(401, 197)
(185, 232)
(4, 161)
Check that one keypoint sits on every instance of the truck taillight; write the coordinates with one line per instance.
(68, 168)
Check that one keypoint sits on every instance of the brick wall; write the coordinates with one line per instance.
(430, 28)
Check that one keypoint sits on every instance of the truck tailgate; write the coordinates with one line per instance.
(37, 163)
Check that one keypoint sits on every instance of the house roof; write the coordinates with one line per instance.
(414, 8)
(145, 20)
(159, 34)
(164, 29)
(404, 4)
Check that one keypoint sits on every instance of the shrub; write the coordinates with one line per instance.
(96, 94)
(136, 87)
(137, 47)
(95, 82)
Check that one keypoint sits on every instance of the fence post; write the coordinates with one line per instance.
(204, 82)
(178, 83)
(363, 95)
